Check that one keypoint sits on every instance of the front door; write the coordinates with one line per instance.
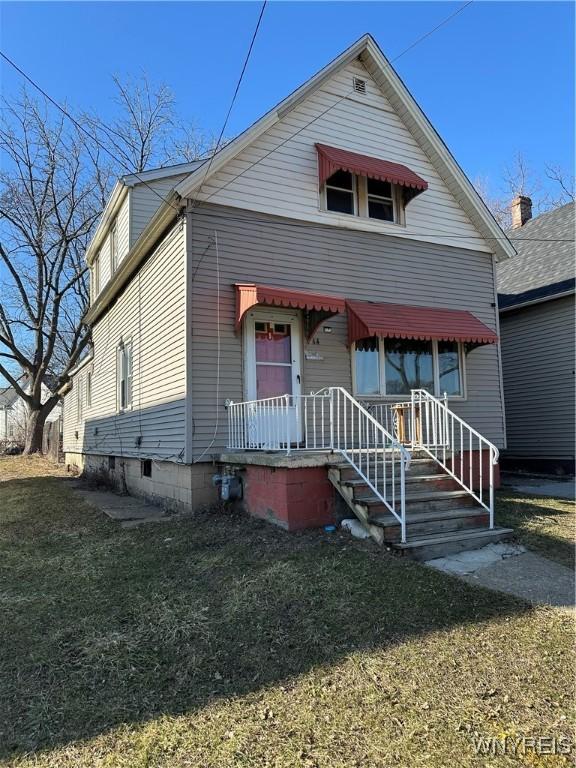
(273, 354)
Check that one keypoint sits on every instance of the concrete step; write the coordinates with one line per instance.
(431, 547)
(420, 524)
(428, 501)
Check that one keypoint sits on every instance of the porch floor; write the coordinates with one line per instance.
(295, 460)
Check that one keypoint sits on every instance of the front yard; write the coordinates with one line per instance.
(220, 641)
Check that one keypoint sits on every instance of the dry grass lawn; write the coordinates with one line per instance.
(218, 642)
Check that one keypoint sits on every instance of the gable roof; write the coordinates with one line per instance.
(541, 269)
(367, 50)
(8, 397)
(120, 190)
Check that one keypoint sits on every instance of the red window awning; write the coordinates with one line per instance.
(318, 306)
(331, 159)
(401, 321)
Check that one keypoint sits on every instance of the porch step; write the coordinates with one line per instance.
(417, 467)
(431, 547)
(438, 481)
(432, 523)
(427, 501)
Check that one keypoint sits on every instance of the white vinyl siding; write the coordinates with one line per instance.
(357, 265)
(150, 313)
(278, 173)
(538, 368)
(145, 199)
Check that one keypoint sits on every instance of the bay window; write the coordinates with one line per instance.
(393, 367)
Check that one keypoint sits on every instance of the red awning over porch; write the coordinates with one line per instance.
(332, 159)
(401, 321)
(317, 305)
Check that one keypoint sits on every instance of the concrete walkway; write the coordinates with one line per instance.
(129, 511)
(510, 568)
(540, 486)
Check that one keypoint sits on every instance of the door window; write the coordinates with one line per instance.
(273, 359)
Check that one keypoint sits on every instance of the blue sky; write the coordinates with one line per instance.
(497, 79)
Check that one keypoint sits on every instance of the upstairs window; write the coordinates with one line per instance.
(380, 200)
(113, 248)
(89, 389)
(365, 186)
(354, 195)
(393, 367)
(96, 277)
(341, 193)
(124, 375)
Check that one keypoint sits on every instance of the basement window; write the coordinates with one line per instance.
(111, 462)
(146, 467)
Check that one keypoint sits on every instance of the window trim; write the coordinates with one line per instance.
(360, 195)
(121, 350)
(435, 368)
(89, 383)
(113, 241)
(353, 192)
(96, 276)
(80, 398)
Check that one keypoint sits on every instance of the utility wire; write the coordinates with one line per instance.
(238, 84)
(207, 211)
(82, 128)
(431, 32)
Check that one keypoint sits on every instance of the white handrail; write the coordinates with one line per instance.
(332, 420)
(446, 438)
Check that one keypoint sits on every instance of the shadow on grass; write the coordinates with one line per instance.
(543, 524)
(104, 626)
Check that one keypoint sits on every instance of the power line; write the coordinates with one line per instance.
(82, 128)
(431, 32)
(207, 211)
(238, 84)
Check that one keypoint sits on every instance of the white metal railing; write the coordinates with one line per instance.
(329, 420)
(460, 450)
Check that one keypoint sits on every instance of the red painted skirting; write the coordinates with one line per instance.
(297, 498)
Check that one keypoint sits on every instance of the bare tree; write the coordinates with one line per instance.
(54, 183)
(547, 190)
(148, 131)
(51, 193)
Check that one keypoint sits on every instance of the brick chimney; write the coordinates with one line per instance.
(521, 211)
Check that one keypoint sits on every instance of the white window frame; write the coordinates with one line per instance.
(96, 276)
(360, 195)
(124, 372)
(89, 383)
(79, 399)
(435, 368)
(353, 192)
(113, 247)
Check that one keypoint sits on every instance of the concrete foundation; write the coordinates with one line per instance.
(182, 487)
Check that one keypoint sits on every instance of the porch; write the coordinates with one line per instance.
(417, 476)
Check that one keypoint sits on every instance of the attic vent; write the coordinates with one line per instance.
(359, 85)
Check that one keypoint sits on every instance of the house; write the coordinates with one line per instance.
(307, 317)
(536, 299)
(13, 415)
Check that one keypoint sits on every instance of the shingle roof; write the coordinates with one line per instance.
(541, 269)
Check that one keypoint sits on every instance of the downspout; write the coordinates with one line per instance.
(499, 351)
(188, 267)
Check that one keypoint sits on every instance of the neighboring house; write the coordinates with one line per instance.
(13, 415)
(335, 243)
(536, 299)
